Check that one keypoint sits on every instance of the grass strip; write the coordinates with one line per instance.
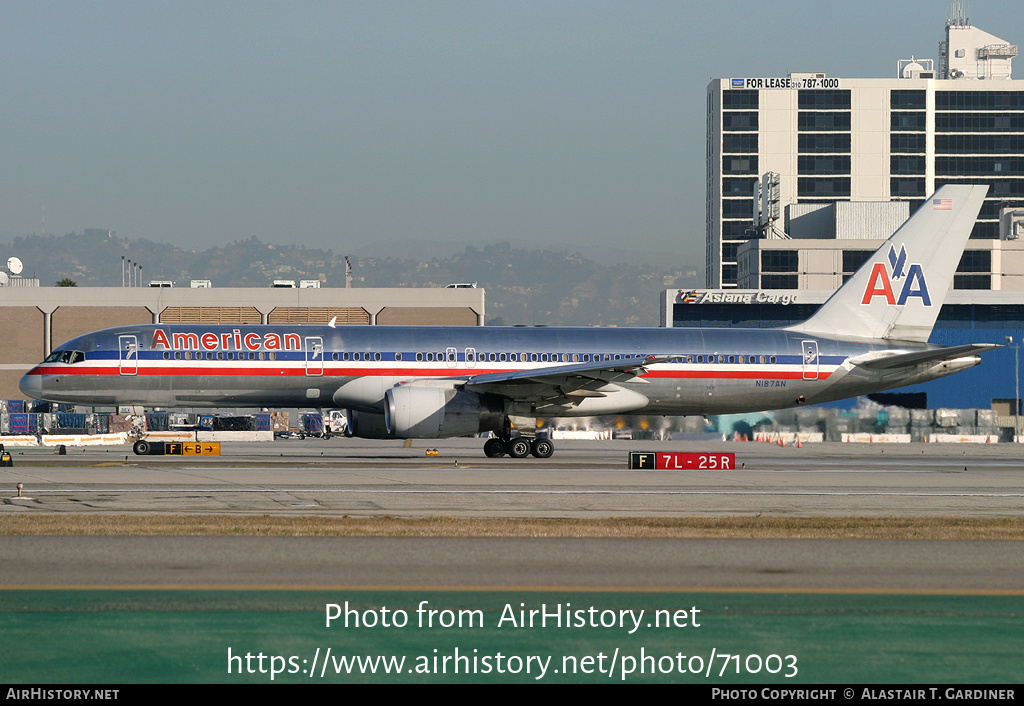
(744, 527)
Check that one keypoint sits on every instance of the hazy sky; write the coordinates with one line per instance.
(342, 123)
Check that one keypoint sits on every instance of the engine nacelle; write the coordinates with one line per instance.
(413, 412)
(366, 425)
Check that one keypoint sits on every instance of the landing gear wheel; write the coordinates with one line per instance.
(141, 448)
(494, 448)
(542, 448)
(518, 448)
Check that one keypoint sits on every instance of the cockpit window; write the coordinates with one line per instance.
(65, 357)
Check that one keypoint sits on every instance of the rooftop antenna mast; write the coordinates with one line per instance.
(959, 14)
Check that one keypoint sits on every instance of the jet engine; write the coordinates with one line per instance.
(424, 412)
(366, 425)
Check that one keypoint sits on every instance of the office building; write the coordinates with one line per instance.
(778, 148)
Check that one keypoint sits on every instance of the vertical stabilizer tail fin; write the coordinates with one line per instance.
(898, 292)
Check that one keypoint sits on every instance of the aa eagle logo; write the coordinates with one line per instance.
(881, 280)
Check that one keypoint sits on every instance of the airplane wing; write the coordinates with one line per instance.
(901, 360)
(564, 384)
(576, 375)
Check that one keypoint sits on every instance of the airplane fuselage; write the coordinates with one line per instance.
(439, 381)
(708, 371)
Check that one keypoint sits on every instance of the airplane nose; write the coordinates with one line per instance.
(32, 386)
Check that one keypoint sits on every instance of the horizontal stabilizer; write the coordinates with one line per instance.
(902, 360)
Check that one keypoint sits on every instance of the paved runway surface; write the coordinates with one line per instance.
(397, 562)
(585, 479)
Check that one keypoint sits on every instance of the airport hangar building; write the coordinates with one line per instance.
(34, 319)
(807, 174)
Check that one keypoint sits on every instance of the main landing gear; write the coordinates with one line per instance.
(519, 447)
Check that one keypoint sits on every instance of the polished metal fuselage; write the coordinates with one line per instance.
(709, 371)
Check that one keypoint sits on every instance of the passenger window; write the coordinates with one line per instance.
(398, 356)
(773, 360)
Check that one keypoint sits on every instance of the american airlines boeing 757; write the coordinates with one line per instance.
(445, 381)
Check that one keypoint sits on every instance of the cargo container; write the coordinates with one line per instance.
(312, 424)
(23, 423)
(158, 421)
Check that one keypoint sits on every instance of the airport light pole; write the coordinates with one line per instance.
(1016, 378)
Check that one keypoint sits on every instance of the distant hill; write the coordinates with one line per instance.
(524, 286)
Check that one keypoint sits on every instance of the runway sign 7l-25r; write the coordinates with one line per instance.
(681, 461)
